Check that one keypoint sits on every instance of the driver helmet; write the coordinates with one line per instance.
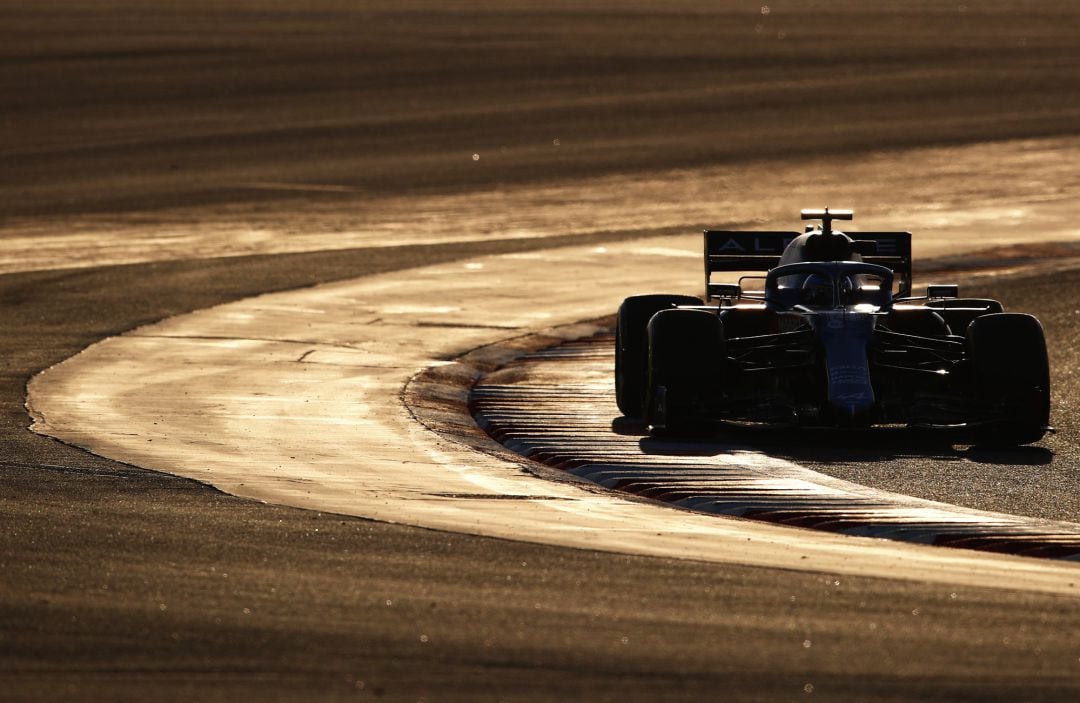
(816, 290)
(849, 290)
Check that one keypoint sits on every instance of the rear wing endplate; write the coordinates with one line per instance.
(731, 250)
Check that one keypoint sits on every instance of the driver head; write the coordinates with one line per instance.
(817, 291)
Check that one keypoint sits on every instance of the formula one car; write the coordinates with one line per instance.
(831, 336)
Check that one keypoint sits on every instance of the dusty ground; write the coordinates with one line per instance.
(141, 117)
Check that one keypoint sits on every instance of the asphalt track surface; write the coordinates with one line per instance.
(118, 583)
(117, 586)
(122, 106)
(272, 398)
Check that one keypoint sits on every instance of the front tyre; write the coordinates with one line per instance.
(1010, 377)
(631, 347)
(686, 369)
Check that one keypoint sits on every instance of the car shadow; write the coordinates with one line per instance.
(827, 445)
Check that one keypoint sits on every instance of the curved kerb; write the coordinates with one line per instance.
(549, 397)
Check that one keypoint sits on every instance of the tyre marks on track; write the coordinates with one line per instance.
(557, 406)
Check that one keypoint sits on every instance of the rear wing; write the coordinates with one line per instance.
(730, 250)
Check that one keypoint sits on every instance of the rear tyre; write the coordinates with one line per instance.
(1010, 377)
(686, 369)
(631, 347)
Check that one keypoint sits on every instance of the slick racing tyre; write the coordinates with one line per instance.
(1010, 377)
(631, 347)
(686, 369)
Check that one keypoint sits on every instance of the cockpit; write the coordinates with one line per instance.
(829, 285)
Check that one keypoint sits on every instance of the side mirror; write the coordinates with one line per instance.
(943, 290)
(728, 291)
